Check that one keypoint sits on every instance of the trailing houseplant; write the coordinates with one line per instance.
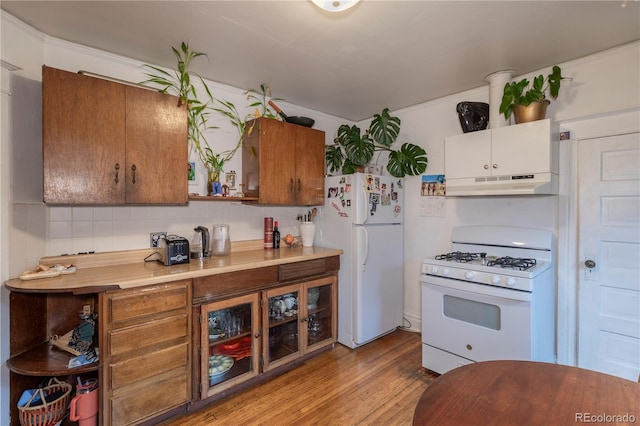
(180, 83)
(352, 149)
(524, 93)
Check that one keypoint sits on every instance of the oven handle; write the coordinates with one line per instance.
(483, 289)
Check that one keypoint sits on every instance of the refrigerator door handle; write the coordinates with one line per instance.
(365, 246)
(365, 204)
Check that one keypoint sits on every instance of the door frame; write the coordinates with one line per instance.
(568, 263)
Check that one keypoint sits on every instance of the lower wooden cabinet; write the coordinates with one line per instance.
(229, 343)
(145, 352)
(245, 336)
(166, 347)
(299, 318)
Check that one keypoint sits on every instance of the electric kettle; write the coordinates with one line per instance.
(200, 243)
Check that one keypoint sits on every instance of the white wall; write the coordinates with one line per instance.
(25, 48)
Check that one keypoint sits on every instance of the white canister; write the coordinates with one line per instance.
(220, 242)
(308, 233)
(497, 81)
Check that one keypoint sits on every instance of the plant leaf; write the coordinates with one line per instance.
(334, 158)
(357, 149)
(554, 81)
(409, 160)
(384, 128)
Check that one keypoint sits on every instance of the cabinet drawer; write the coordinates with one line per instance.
(136, 369)
(292, 271)
(233, 282)
(152, 334)
(147, 301)
(153, 399)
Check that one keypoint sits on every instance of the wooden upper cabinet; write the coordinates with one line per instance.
(283, 163)
(111, 143)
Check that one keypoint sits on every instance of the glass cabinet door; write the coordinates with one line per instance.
(230, 343)
(281, 315)
(320, 315)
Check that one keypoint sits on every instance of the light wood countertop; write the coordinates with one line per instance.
(127, 269)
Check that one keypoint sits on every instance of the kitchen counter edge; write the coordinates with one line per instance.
(139, 274)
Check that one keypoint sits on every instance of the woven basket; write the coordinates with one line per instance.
(46, 413)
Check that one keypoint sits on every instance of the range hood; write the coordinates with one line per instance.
(526, 184)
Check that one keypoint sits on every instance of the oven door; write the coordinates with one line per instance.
(474, 321)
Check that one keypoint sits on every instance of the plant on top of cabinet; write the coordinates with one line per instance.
(261, 103)
(352, 150)
(530, 105)
(181, 83)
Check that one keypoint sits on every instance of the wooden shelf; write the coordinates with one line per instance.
(208, 198)
(45, 360)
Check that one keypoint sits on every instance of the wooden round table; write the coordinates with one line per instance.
(527, 393)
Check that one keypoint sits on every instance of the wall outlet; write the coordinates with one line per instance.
(154, 238)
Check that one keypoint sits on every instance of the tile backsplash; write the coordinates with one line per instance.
(38, 230)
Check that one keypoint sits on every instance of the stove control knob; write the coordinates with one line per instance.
(511, 282)
(445, 271)
(495, 279)
(469, 275)
(434, 269)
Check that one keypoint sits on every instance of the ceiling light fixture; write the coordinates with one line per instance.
(335, 5)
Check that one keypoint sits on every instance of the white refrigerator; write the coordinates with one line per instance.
(362, 215)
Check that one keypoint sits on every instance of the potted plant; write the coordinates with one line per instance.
(351, 150)
(529, 102)
(180, 83)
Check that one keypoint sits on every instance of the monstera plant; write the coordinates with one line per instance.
(353, 150)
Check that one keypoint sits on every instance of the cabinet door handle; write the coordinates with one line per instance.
(495, 166)
(299, 185)
(486, 167)
(291, 185)
(117, 167)
(133, 169)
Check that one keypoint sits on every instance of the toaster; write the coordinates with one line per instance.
(173, 250)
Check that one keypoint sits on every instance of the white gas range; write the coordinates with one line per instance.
(491, 297)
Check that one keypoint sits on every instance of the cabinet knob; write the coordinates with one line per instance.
(133, 169)
(495, 166)
(117, 167)
(486, 167)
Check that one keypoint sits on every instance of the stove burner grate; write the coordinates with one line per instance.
(513, 263)
(458, 256)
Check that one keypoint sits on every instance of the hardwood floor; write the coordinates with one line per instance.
(377, 384)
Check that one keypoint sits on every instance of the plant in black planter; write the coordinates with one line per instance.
(352, 150)
(522, 95)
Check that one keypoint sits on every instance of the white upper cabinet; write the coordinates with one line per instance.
(517, 159)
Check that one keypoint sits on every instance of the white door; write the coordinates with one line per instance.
(609, 255)
(379, 282)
